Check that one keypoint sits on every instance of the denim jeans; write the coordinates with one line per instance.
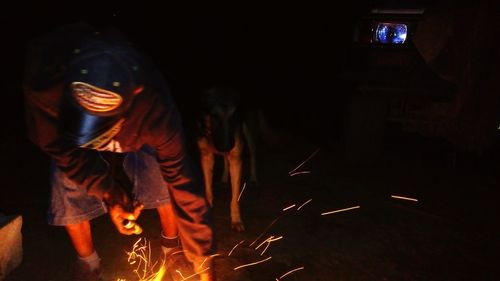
(70, 204)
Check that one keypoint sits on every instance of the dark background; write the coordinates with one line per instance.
(283, 58)
(287, 60)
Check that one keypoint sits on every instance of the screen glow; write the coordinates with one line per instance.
(391, 33)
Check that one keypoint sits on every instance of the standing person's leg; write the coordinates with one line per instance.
(167, 220)
(169, 236)
(89, 262)
(151, 190)
(81, 238)
(71, 207)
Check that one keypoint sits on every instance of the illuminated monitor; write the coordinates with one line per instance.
(390, 33)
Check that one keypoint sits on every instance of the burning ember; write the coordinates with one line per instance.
(341, 210)
(289, 272)
(294, 171)
(146, 270)
(404, 198)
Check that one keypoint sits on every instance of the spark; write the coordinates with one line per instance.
(298, 173)
(265, 249)
(178, 252)
(145, 270)
(243, 189)
(341, 210)
(253, 263)
(201, 265)
(180, 273)
(269, 226)
(159, 275)
(196, 273)
(305, 161)
(404, 198)
(304, 204)
(289, 272)
(214, 255)
(235, 247)
(289, 207)
(268, 241)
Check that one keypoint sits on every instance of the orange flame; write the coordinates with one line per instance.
(146, 269)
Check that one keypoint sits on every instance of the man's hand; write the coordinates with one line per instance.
(119, 217)
(120, 210)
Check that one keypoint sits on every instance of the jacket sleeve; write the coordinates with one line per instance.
(84, 167)
(185, 184)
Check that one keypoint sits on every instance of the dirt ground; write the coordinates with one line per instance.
(450, 233)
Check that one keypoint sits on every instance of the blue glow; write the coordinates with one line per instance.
(391, 33)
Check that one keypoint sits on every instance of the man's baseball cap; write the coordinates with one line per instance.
(102, 78)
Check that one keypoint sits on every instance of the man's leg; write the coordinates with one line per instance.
(169, 236)
(88, 267)
(81, 238)
(71, 207)
(167, 219)
(170, 243)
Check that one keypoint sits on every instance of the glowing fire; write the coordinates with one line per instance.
(146, 269)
